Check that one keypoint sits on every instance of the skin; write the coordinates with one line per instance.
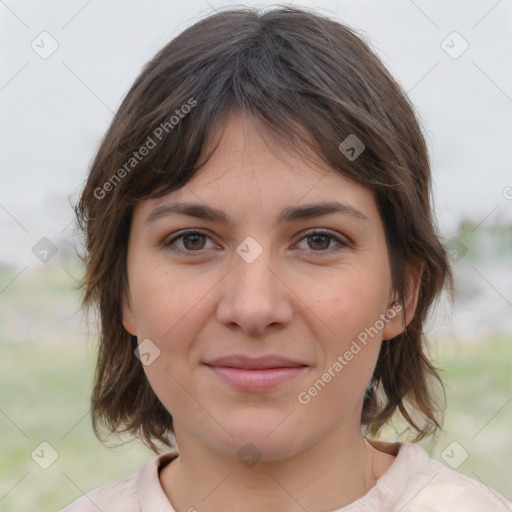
(301, 298)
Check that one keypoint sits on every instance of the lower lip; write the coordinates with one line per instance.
(256, 380)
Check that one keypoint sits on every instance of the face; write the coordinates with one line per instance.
(253, 326)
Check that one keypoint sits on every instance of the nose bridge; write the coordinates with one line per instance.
(252, 264)
(253, 296)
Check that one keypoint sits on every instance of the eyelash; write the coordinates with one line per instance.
(315, 232)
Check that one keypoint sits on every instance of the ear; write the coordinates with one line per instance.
(396, 314)
(129, 322)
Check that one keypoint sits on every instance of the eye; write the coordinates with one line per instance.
(319, 241)
(192, 240)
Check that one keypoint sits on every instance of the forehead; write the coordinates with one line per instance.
(245, 149)
(253, 169)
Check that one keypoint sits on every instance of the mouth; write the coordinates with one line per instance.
(255, 374)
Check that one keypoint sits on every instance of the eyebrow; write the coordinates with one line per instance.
(289, 214)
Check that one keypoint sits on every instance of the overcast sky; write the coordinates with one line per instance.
(55, 107)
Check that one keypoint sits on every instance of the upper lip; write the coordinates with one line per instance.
(254, 363)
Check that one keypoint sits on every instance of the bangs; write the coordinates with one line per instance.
(279, 81)
(316, 90)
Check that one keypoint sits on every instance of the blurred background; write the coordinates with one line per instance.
(65, 68)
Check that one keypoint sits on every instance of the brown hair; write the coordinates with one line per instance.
(313, 81)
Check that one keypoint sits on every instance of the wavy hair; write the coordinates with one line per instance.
(308, 79)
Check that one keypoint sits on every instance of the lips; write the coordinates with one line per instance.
(255, 374)
(244, 362)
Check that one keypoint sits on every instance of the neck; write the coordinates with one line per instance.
(327, 476)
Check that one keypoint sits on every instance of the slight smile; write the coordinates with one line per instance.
(255, 373)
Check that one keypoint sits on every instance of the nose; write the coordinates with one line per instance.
(255, 296)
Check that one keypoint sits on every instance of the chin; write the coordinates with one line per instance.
(260, 442)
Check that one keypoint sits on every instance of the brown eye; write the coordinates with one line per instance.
(192, 242)
(321, 242)
(189, 241)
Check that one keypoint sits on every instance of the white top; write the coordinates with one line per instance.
(413, 483)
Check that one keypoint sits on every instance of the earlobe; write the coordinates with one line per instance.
(399, 317)
(128, 316)
(412, 298)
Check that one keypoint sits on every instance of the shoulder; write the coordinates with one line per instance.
(117, 496)
(434, 486)
(132, 493)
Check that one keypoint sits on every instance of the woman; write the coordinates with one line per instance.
(262, 251)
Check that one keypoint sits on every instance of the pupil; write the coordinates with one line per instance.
(194, 238)
(316, 237)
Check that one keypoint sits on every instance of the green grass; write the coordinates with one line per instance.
(46, 397)
(478, 383)
(46, 371)
(478, 379)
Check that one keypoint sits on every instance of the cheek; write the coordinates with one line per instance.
(169, 308)
(349, 304)
(350, 301)
(350, 307)
(166, 302)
